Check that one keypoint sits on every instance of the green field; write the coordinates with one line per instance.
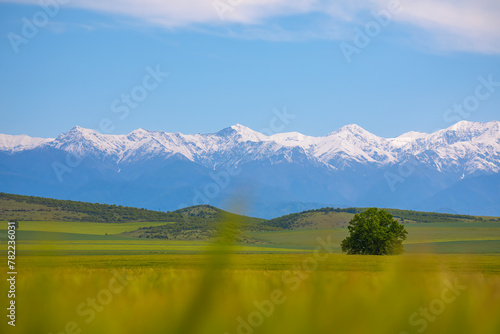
(476, 237)
(84, 227)
(285, 276)
(74, 278)
(257, 293)
(107, 238)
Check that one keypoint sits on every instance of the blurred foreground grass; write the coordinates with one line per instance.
(257, 293)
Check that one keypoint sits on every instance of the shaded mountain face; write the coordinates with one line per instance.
(267, 176)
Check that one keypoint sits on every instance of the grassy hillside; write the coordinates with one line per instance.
(42, 216)
(201, 223)
(26, 208)
(31, 208)
(336, 217)
(193, 223)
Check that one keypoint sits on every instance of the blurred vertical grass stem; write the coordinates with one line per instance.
(219, 255)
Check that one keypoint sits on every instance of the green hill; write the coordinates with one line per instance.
(31, 208)
(336, 217)
(198, 222)
(203, 222)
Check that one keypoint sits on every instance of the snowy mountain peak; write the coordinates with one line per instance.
(138, 134)
(79, 132)
(240, 128)
(466, 128)
(412, 135)
(466, 131)
(79, 129)
(140, 131)
(242, 132)
(82, 142)
(462, 125)
(408, 138)
(15, 143)
(352, 128)
(294, 139)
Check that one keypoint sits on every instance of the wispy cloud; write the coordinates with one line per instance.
(457, 25)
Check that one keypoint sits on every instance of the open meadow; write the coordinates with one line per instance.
(77, 277)
(111, 238)
(258, 293)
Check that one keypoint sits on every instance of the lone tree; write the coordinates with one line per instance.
(374, 232)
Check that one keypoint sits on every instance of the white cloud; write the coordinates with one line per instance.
(457, 24)
(466, 25)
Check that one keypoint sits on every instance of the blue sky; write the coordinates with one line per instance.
(261, 56)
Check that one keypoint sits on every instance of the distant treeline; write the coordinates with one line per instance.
(430, 217)
(422, 217)
(98, 212)
(290, 221)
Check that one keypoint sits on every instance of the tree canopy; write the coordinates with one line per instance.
(374, 232)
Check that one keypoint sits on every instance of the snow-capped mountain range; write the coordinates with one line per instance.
(466, 146)
(349, 166)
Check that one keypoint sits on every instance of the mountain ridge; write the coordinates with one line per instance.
(342, 148)
(277, 174)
